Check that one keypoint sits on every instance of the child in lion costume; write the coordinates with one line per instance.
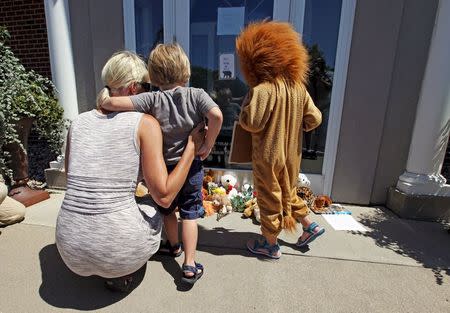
(276, 111)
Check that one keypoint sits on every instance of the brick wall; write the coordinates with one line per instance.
(25, 20)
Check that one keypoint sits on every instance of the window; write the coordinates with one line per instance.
(148, 25)
(320, 35)
(215, 67)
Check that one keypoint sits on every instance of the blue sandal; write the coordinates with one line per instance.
(312, 235)
(169, 250)
(195, 273)
(263, 248)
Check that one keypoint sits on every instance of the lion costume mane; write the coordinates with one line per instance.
(276, 111)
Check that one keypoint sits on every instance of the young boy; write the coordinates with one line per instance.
(178, 109)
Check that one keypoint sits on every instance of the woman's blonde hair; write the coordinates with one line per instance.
(168, 65)
(122, 69)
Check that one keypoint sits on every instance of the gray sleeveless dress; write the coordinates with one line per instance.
(100, 229)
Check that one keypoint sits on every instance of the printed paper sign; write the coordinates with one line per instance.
(230, 21)
(226, 66)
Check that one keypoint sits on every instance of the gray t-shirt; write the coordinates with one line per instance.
(178, 111)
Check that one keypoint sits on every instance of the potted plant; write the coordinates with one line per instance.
(26, 99)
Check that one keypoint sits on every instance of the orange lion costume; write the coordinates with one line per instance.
(276, 112)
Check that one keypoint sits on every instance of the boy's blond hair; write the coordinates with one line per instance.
(168, 64)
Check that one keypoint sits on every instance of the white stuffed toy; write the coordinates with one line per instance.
(229, 182)
(303, 181)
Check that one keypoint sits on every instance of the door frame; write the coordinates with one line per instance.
(323, 183)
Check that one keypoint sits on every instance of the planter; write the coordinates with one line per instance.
(19, 165)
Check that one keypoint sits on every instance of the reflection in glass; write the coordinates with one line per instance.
(320, 34)
(205, 50)
(148, 25)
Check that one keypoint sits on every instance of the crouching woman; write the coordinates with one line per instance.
(101, 230)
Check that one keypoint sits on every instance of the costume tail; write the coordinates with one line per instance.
(289, 223)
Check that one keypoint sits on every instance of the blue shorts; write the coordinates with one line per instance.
(189, 199)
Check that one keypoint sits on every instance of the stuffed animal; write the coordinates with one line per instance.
(214, 189)
(303, 181)
(322, 202)
(209, 208)
(306, 194)
(208, 178)
(141, 190)
(246, 188)
(251, 208)
(229, 182)
(204, 194)
(222, 205)
(304, 190)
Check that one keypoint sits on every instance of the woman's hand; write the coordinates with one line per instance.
(197, 136)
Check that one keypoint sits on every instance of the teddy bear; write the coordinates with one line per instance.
(303, 181)
(209, 208)
(251, 208)
(222, 205)
(229, 182)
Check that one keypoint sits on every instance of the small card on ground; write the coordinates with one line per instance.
(343, 222)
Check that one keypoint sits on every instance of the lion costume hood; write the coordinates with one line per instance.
(271, 50)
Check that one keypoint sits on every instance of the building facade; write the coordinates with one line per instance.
(379, 75)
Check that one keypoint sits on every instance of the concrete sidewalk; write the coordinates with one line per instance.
(396, 266)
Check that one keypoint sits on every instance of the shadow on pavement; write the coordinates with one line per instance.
(426, 242)
(215, 241)
(224, 241)
(172, 267)
(64, 289)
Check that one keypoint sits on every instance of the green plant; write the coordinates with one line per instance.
(25, 93)
(238, 201)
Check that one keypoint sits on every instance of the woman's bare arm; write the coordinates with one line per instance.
(117, 104)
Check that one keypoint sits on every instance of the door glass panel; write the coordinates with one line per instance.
(148, 25)
(320, 34)
(214, 25)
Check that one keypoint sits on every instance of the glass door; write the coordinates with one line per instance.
(213, 28)
(327, 28)
(320, 30)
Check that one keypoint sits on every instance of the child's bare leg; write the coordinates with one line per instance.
(189, 235)
(271, 239)
(171, 228)
(306, 221)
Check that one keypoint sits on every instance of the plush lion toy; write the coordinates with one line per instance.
(276, 111)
